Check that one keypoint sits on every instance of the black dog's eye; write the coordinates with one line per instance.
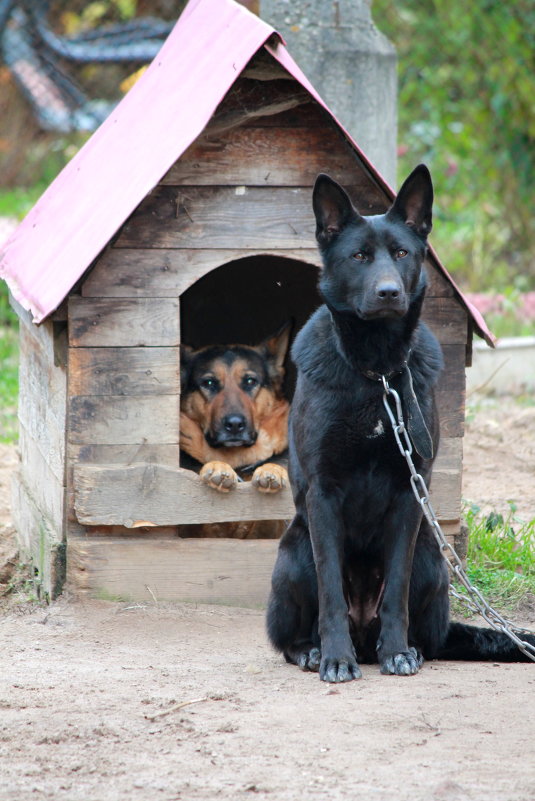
(359, 255)
(401, 253)
(250, 382)
(209, 383)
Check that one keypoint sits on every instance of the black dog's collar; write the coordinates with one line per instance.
(373, 375)
(416, 425)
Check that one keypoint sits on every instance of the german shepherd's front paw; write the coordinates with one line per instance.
(270, 478)
(219, 475)
(406, 663)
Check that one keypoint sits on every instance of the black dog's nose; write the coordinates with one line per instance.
(234, 423)
(388, 290)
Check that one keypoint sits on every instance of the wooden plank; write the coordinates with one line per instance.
(41, 334)
(167, 273)
(124, 371)
(120, 495)
(453, 377)
(270, 156)
(40, 540)
(221, 217)
(447, 319)
(123, 322)
(48, 489)
(235, 572)
(451, 411)
(42, 397)
(446, 493)
(115, 454)
(123, 420)
(125, 454)
(124, 272)
(437, 284)
(115, 495)
(450, 454)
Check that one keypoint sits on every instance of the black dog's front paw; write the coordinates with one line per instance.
(310, 660)
(338, 670)
(406, 663)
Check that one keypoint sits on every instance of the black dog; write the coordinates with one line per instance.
(359, 576)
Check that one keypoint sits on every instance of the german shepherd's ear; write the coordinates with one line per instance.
(414, 202)
(275, 348)
(333, 209)
(186, 354)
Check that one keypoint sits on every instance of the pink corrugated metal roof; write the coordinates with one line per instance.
(154, 124)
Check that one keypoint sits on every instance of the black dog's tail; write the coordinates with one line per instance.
(473, 643)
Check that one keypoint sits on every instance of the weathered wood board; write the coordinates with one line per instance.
(234, 572)
(268, 156)
(221, 217)
(123, 419)
(122, 322)
(158, 495)
(124, 371)
(167, 273)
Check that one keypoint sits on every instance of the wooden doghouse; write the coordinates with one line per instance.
(186, 217)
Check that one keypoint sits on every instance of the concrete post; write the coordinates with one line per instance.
(350, 63)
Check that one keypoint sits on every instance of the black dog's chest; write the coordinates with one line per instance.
(362, 431)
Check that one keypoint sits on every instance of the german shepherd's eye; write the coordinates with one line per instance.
(209, 383)
(249, 382)
(359, 255)
(401, 253)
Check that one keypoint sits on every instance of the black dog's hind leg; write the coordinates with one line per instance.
(292, 615)
(429, 595)
(338, 658)
(393, 651)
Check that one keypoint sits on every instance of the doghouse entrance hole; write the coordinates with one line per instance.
(246, 301)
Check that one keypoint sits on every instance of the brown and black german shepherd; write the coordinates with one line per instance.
(234, 416)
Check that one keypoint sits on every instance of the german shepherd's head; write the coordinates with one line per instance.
(232, 405)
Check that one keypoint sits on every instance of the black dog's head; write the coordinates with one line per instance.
(373, 265)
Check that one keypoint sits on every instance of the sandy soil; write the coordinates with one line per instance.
(103, 701)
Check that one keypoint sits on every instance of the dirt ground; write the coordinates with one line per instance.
(105, 701)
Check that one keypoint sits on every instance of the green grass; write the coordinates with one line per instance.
(18, 201)
(501, 558)
(9, 382)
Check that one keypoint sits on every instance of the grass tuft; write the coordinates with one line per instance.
(501, 558)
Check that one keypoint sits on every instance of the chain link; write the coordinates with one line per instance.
(472, 599)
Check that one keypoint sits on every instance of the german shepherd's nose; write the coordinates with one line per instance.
(234, 423)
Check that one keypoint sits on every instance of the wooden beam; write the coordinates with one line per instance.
(123, 419)
(167, 273)
(124, 371)
(123, 322)
(159, 495)
(119, 495)
(270, 156)
(234, 572)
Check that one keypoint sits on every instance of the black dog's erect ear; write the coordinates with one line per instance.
(332, 207)
(414, 202)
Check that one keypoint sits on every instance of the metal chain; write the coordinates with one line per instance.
(474, 600)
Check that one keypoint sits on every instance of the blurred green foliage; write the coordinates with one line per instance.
(467, 109)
